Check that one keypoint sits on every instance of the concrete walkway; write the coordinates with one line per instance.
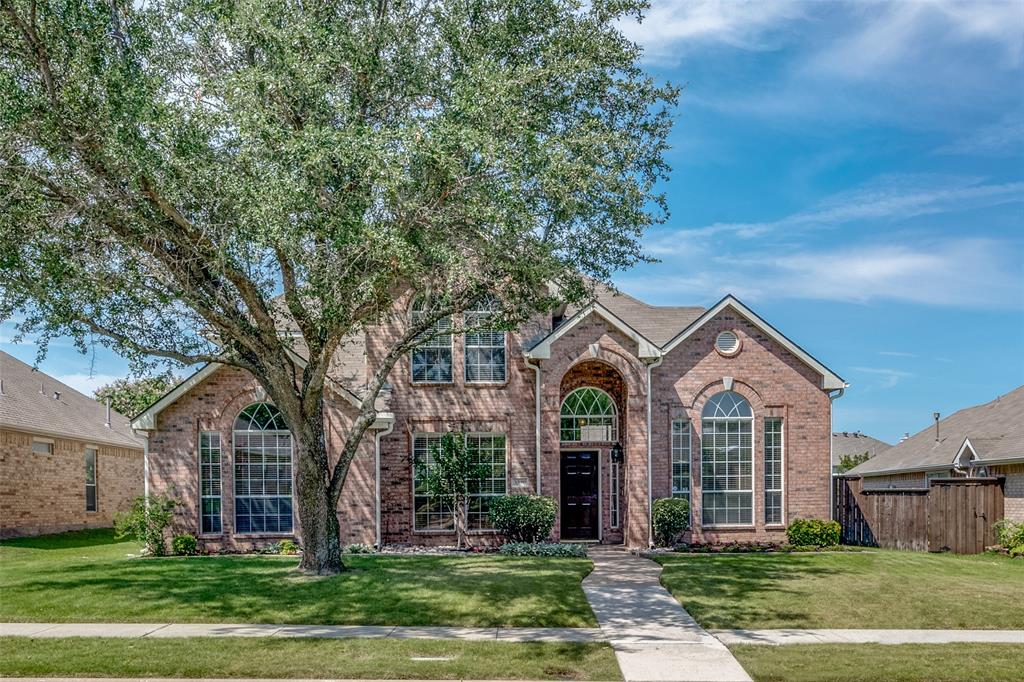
(867, 636)
(654, 638)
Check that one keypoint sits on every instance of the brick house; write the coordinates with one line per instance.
(66, 461)
(982, 440)
(603, 408)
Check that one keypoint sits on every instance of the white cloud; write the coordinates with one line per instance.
(896, 354)
(1005, 137)
(888, 377)
(87, 383)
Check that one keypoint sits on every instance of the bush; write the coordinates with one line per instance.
(147, 523)
(358, 548)
(671, 516)
(544, 549)
(523, 518)
(1017, 551)
(287, 547)
(185, 544)
(814, 532)
(1009, 534)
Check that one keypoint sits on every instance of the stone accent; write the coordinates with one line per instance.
(1013, 491)
(46, 493)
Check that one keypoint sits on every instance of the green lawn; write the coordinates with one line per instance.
(305, 658)
(883, 663)
(883, 589)
(89, 577)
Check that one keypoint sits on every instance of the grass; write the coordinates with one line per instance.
(305, 658)
(89, 576)
(878, 589)
(883, 663)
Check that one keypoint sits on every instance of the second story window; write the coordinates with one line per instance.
(432, 359)
(485, 348)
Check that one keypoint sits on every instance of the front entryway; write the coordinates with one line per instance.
(579, 494)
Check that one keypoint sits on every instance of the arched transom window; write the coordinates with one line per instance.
(727, 461)
(589, 414)
(263, 471)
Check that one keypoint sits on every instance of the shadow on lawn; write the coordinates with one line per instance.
(478, 591)
(78, 539)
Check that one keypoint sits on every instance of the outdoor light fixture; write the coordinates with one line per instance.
(617, 453)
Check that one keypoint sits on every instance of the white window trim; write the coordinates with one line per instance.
(199, 466)
(614, 495)
(615, 417)
(782, 475)
(235, 496)
(672, 456)
(412, 483)
(95, 478)
(48, 441)
(451, 350)
(753, 474)
(465, 353)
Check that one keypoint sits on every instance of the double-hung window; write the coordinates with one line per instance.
(90, 480)
(484, 347)
(727, 461)
(432, 359)
(486, 449)
(773, 470)
(681, 459)
(209, 482)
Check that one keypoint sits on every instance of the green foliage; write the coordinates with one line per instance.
(1008, 533)
(147, 523)
(814, 532)
(671, 516)
(1017, 551)
(359, 548)
(847, 462)
(185, 544)
(449, 476)
(523, 518)
(287, 547)
(130, 397)
(546, 549)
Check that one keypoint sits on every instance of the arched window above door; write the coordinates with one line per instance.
(589, 415)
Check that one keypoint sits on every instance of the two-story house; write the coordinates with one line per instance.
(604, 408)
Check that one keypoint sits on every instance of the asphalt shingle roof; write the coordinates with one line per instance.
(996, 428)
(659, 323)
(72, 415)
(855, 443)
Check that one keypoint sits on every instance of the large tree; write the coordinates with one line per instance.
(168, 169)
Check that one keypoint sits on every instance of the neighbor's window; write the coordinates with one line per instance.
(42, 447)
(263, 471)
(588, 414)
(484, 348)
(209, 482)
(727, 461)
(773, 470)
(681, 459)
(90, 479)
(432, 359)
(488, 449)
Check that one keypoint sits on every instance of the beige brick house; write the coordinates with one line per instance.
(603, 408)
(66, 462)
(983, 440)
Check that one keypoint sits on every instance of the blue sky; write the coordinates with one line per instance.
(855, 173)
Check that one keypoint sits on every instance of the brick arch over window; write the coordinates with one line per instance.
(701, 398)
(600, 375)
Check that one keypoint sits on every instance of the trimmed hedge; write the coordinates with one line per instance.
(814, 533)
(544, 549)
(523, 518)
(671, 516)
(185, 544)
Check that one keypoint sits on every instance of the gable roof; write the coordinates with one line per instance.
(851, 443)
(995, 428)
(27, 403)
(659, 323)
(542, 349)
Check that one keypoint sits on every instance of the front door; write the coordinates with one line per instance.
(579, 495)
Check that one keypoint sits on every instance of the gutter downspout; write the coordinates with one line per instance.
(650, 487)
(831, 475)
(376, 478)
(145, 465)
(536, 418)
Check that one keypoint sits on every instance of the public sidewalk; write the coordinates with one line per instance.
(654, 638)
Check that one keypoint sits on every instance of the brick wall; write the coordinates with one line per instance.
(46, 493)
(1013, 491)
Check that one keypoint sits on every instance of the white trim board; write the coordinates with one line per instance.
(646, 348)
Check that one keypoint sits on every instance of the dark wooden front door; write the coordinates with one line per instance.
(579, 495)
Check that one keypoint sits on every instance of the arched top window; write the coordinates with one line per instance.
(260, 417)
(589, 414)
(485, 347)
(727, 405)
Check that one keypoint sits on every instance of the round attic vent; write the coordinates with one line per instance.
(727, 343)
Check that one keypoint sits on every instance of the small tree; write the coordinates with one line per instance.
(847, 462)
(131, 397)
(450, 475)
(147, 521)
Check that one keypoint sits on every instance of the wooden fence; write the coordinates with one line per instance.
(951, 514)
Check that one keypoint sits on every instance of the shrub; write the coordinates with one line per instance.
(1017, 551)
(544, 549)
(185, 544)
(814, 532)
(1009, 534)
(147, 523)
(671, 516)
(287, 547)
(523, 518)
(358, 548)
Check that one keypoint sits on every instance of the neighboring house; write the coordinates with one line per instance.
(603, 408)
(854, 444)
(66, 462)
(984, 440)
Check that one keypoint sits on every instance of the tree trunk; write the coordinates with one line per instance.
(321, 533)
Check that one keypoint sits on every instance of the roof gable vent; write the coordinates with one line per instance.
(727, 343)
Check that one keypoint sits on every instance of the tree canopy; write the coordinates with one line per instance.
(131, 396)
